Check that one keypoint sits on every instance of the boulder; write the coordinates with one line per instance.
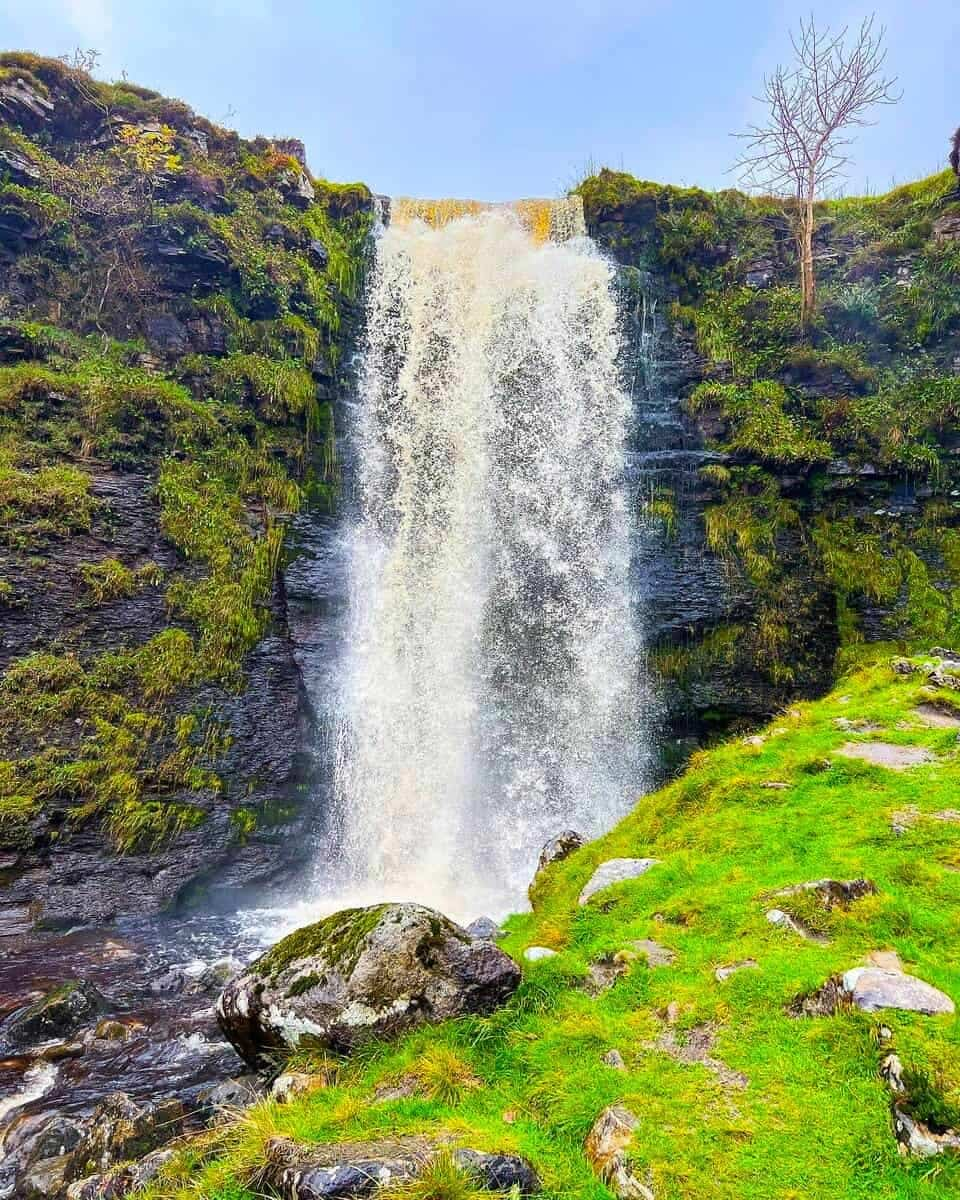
(615, 870)
(361, 974)
(58, 1014)
(121, 1180)
(121, 1130)
(298, 1172)
(871, 988)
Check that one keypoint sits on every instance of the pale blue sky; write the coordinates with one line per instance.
(501, 98)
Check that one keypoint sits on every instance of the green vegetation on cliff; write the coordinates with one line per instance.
(737, 1094)
(836, 488)
(173, 313)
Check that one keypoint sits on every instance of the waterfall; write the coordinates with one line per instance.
(492, 690)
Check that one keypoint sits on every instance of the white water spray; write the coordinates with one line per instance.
(492, 690)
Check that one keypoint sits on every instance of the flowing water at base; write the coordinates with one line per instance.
(492, 689)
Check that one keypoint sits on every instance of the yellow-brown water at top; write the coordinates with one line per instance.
(546, 220)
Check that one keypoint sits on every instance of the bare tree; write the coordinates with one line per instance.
(812, 107)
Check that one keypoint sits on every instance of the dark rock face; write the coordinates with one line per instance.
(57, 1015)
(362, 974)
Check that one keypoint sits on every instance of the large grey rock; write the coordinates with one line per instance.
(360, 974)
(871, 988)
(615, 870)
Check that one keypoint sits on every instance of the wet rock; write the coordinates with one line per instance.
(56, 1015)
(615, 870)
(112, 1031)
(871, 989)
(167, 335)
(121, 1180)
(484, 929)
(498, 1172)
(299, 1172)
(724, 972)
(171, 982)
(214, 978)
(362, 974)
(607, 1147)
(45, 1180)
(557, 849)
(560, 847)
(120, 1129)
(319, 253)
(239, 1092)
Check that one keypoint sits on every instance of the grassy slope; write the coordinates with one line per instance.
(814, 1119)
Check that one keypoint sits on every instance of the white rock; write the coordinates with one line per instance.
(871, 988)
(538, 953)
(615, 870)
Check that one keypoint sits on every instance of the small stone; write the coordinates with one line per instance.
(903, 666)
(615, 870)
(607, 1147)
(832, 893)
(613, 1058)
(656, 955)
(951, 815)
(871, 989)
(538, 953)
(776, 916)
(112, 1031)
(485, 929)
(904, 819)
(290, 1084)
(724, 972)
(754, 740)
(886, 960)
(775, 785)
(397, 1089)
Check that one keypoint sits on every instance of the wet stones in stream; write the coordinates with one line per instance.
(56, 1015)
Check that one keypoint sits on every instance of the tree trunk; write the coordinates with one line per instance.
(808, 282)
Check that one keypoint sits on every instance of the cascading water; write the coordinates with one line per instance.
(492, 691)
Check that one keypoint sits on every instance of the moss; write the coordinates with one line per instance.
(761, 424)
(338, 940)
(108, 580)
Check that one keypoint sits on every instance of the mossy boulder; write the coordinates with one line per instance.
(58, 1014)
(360, 974)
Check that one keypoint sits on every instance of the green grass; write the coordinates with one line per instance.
(814, 1119)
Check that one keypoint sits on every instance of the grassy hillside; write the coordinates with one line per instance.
(783, 1106)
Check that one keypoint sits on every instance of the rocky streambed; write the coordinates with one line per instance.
(93, 1012)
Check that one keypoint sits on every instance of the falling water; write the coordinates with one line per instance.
(492, 686)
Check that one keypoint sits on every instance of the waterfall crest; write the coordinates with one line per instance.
(491, 693)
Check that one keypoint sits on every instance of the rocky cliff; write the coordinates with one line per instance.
(176, 308)
(800, 490)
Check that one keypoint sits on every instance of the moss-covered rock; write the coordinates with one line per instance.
(362, 974)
